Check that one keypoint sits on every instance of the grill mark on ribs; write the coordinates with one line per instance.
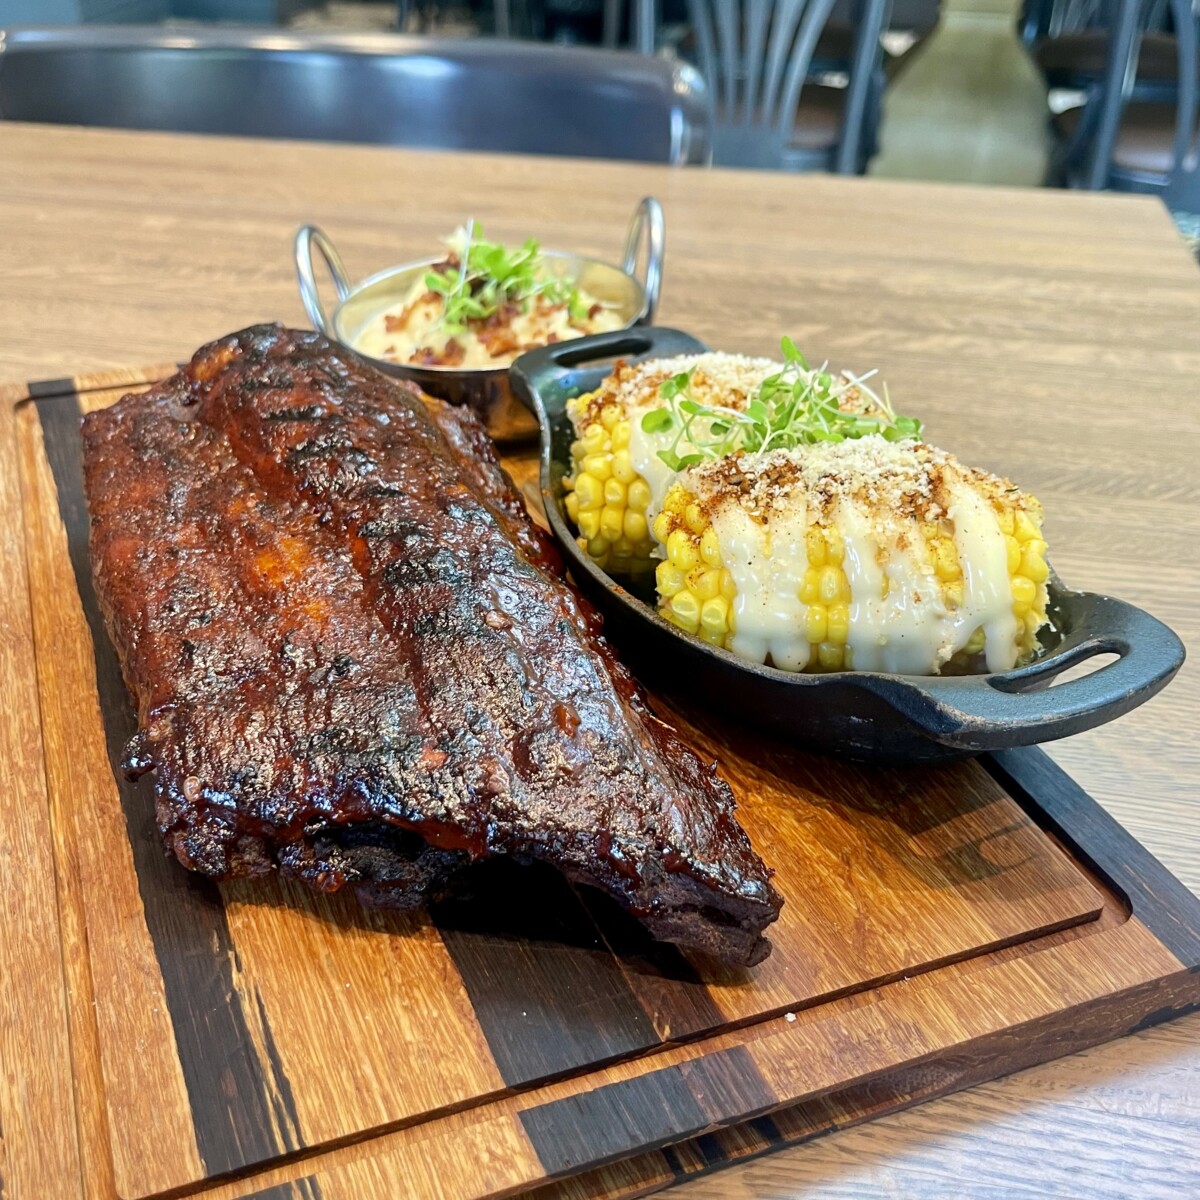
(355, 657)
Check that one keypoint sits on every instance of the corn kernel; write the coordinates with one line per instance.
(833, 585)
(712, 638)
(1026, 527)
(810, 589)
(685, 610)
(638, 495)
(835, 548)
(945, 559)
(705, 583)
(622, 547)
(599, 465)
(594, 439)
(612, 522)
(1033, 622)
(676, 501)
(1005, 517)
(589, 523)
(694, 518)
(609, 416)
(728, 586)
(571, 504)
(635, 527)
(1014, 554)
(1024, 593)
(669, 578)
(620, 435)
(681, 550)
(710, 547)
(662, 526)
(598, 546)
(622, 467)
(815, 623)
(577, 450)
(590, 492)
(614, 493)
(837, 623)
(714, 616)
(1033, 561)
(830, 656)
(814, 544)
(953, 593)
(977, 641)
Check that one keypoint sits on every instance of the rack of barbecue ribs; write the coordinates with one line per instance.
(356, 660)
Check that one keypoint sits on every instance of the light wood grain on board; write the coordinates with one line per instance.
(1051, 336)
(39, 1153)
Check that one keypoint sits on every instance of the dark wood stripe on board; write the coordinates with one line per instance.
(230, 1097)
(1055, 801)
(663, 1106)
(546, 989)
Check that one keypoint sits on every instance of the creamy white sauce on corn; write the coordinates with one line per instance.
(878, 495)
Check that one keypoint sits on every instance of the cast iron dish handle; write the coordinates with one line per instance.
(980, 712)
(556, 364)
(649, 226)
(308, 236)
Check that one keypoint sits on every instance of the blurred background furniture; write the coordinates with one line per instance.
(463, 94)
(768, 108)
(1139, 127)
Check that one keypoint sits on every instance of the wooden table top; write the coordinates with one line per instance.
(1053, 337)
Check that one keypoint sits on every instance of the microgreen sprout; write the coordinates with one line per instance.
(488, 275)
(798, 406)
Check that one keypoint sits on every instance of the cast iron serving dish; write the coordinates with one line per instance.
(486, 390)
(865, 715)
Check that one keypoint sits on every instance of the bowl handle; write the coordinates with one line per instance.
(308, 236)
(647, 225)
(1019, 707)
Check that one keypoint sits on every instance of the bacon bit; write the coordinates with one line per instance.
(432, 758)
(566, 718)
(395, 322)
(425, 356)
(594, 311)
(551, 339)
(453, 354)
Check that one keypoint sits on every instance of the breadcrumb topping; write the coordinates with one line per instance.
(894, 479)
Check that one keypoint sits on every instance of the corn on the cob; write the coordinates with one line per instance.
(854, 557)
(867, 553)
(617, 481)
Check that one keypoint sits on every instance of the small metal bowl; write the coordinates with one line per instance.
(486, 390)
(859, 714)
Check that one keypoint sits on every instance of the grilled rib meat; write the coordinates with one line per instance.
(355, 658)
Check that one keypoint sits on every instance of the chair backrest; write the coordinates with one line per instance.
(755, 56)
(1182, 185)
(463, 94)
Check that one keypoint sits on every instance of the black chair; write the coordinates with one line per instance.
(757, 59)
(461, 94)
(1133, 144)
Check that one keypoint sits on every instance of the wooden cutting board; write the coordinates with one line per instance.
(940, 927)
